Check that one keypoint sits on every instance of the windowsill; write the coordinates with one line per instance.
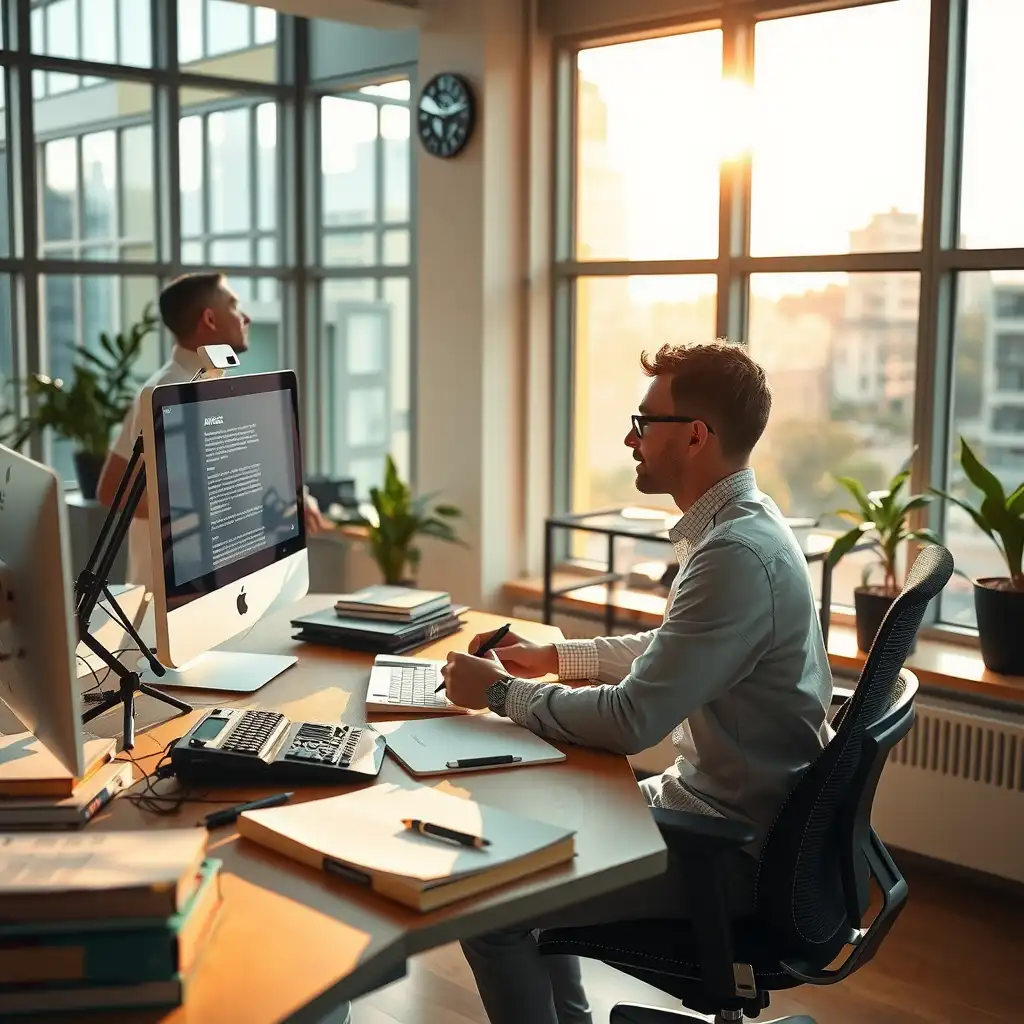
(946, 664)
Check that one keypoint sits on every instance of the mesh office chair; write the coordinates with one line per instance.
(812, 892)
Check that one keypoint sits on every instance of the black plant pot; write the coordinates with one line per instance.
(1000, 626)
(87, 469)
(871, 604)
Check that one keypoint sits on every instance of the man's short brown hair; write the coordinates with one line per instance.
(182, 302)
(720, 384)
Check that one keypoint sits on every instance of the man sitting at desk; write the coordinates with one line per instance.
(737, 671)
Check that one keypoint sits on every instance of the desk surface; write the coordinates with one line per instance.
(291, 943)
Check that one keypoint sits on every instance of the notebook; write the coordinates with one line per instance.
(359, 837)
(399, 604)
(431, 746)
(375, 636)
(409, 685)
(88, 799)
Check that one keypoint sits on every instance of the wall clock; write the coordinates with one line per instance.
(446, 114)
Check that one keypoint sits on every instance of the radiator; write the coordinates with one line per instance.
(953, 788)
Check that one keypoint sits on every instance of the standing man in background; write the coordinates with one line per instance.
(198, 310)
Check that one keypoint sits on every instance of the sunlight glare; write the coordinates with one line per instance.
(735, 119)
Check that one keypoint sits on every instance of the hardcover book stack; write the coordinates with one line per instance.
(383, 620)
(102, 921)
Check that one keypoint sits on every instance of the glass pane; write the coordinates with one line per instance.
(396, 248)
(137, 182)
(394, 130)
(362, 288)
(367, 417)
(366, 342)
(616, 319)
(840, 354)
(192, 253)
(266, 25)
(138, 253)
(136, 46)
(231, 253)
(230, 161)
(396, 295)
(75, 310)
(988, 412)
(350, 249)
(267, 290)
(98, 41)
(399, 90)
(60, 188)
(266, 181)
(61, 19)
(219, 40)
(266, 252)
(348, 161)
(190, 30)
(265, 329)
(99, 185)
(649, 141)
(837, 150)
(7, 368)
(993, 154)
(5, 224)
(190, 154)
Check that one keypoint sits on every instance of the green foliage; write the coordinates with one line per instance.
(880, 519)
(101, 392)
(1000, 516)
(401, 518)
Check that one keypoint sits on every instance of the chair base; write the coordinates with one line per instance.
(634, 1013)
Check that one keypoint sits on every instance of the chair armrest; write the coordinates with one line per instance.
(840, 695)
(703, 829)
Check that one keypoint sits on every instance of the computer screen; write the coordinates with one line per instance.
(231, 494)
(228, 535)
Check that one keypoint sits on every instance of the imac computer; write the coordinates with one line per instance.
(227, 529)
(38, 635)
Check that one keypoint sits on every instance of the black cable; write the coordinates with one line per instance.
(91, 695)
(154, 802)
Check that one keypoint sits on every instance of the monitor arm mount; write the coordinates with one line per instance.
(92, 585)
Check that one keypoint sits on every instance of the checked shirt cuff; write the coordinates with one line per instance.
(577, 659)
(517, 699)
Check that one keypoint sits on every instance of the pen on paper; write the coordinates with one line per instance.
(427, 828)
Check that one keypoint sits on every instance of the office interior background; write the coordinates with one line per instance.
(792, 182)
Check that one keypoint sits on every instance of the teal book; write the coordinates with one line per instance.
(46, 959)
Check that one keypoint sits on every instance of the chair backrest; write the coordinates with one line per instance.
(812, 888)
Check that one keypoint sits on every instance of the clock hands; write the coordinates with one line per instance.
(430, 106)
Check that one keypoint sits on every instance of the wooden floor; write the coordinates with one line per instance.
(955, 955)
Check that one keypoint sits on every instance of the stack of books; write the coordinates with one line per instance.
(383, 620)
(37, 792)
(103, 921)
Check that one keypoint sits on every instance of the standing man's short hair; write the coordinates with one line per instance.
(182, 302)
(719, 383)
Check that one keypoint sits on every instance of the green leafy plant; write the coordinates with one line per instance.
(100, 393)
(401, 519)
(880, 519)
(1000, 516)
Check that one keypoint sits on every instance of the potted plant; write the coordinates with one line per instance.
(400, 519)
(880, 522)
(998, 600)
(86, 410)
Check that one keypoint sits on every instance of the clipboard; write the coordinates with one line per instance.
(426, 746)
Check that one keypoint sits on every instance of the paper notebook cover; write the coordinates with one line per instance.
(390, 600)
(425, 746)
(360, 836)
(89, 797)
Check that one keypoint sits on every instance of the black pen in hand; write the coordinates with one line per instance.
(488, 645)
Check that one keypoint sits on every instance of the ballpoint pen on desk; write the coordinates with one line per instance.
(230, 814)
(426, 828)
(487, 646)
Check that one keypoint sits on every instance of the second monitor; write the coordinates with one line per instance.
(226, 516)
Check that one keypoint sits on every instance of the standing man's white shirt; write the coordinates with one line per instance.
(180, 369)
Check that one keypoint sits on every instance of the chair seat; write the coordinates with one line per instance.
(663, 953)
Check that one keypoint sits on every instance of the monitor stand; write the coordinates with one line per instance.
(227, 671)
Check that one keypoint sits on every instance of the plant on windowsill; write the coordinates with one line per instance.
(998, 600)
(880, 522)
(86, 410)
(398, 520)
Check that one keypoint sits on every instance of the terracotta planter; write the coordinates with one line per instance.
(1000, 614)
(871, 604)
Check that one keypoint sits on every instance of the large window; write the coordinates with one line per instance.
(757, 182)
(146, 163)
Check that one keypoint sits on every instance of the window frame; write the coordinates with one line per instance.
(938, 262)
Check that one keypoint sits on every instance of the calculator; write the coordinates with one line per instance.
(243, 746)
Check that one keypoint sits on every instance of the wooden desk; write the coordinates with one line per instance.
(291, 943)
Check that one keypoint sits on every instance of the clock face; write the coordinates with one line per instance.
(445, 114)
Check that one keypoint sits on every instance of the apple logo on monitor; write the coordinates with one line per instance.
(241, 604)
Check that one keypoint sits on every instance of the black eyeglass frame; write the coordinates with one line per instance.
(640, 422)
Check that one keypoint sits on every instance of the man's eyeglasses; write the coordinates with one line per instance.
(640, 422)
